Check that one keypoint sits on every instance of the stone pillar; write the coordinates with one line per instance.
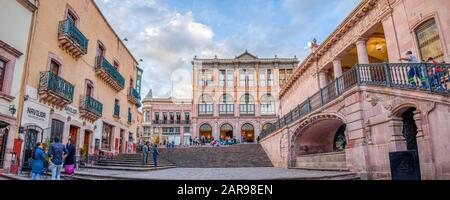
(323, 79)
(397, 141)
(424, 150)
(337, 67)
(363, 56)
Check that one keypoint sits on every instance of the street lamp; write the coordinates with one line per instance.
(12, 109)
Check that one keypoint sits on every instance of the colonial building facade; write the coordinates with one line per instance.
(237, 98)
(352, 102)
(82, 83)
(166, 120)
(16, 19)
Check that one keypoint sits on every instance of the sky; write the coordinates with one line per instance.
(168, 34)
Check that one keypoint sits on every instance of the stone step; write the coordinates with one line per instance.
(127, 168)
(129, 165)
(326, 161)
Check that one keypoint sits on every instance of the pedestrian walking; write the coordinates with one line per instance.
(57, 154)
(38, 168)
(155, 155)
(70, 160)
(145, 151)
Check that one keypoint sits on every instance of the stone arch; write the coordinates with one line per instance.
(248, 132)
(226, 129)
(306, 140)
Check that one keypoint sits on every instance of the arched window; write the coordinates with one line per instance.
(429, 41)
(247, 105)
(248, 133)
(226, 132)
(205, 106)
(267, 105)
(226, 105)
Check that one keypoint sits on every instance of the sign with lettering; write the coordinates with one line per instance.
(35, 113)
(71, 110)
(405, 165)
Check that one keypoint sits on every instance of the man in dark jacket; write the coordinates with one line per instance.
(38, 162)
(57, 154)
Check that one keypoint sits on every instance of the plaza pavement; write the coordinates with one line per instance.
(261, 173)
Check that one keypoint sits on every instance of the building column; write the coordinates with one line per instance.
(363, 56)
(323, 79)
(337, 67)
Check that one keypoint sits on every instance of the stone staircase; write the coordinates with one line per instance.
(334, 161)
(242, 155)
(130, 162)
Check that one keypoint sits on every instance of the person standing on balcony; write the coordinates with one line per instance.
(437, 72)
(145, 151)
(413, 71)
(70, 160)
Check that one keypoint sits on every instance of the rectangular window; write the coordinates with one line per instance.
(172, 118)
(222, 77)
(2, 73)
(106, 136)
(54, 67)
(262, 78)
(205, 109)
(242, 77)
(147, 116)
(187, 116)
(205, 78)
(429, 41)
(147, 131)
(269, 77)
(187, 129)
(230, 78)
(156, 116)
(164, 117)
(247, 109)
(57, 129)
(251, 77)
(226, 109)
(178, 117)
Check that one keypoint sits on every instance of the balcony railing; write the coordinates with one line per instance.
(109, 74)
(117, 111)
(90, 108)
(205, 109)
(72, 40)
(171, 122)
(422, 77)
(55, 89)
(247, 109)
(134, 97)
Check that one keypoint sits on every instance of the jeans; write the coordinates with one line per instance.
(155, 161)
(145, 159)
(56, 171)
(36, 176)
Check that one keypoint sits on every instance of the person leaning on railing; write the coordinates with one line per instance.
(413, 71)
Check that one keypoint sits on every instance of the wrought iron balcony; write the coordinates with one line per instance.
(109, 74)
(72, 40)
(419, 77)
(134, 96)
(90, 108)
(117, 111)
(55, 90)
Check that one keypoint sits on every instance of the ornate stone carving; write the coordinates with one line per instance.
(373, 99)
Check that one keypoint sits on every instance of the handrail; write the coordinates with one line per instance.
(417, 76)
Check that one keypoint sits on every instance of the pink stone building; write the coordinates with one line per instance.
(357, 102)
(237, 98)
(166, 120)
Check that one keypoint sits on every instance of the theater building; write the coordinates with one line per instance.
(237, 98)
(83, 83)
(16, 19)
(351, 102)
(166, 120)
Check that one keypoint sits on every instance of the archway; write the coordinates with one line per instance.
(409, 129)
(319, 143)
(206, 131)
(248, 133)
(226, 132)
